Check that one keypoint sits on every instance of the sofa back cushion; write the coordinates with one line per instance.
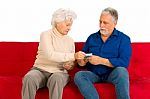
(140, 61)
(16, 58)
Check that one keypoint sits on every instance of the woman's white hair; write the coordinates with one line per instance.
(61, 15)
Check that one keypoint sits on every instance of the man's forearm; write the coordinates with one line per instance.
(106, 62)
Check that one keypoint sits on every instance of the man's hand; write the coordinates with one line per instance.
(80, 57)
(95, 60)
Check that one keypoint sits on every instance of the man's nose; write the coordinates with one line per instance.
(101, 24)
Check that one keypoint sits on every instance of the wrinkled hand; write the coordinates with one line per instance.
(79, 55)
(95, 60)
(68, 65)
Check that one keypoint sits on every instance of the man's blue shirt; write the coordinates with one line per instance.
(117, 49)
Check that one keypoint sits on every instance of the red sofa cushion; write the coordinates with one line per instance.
(140, 62)
(18, 57)
(10, 87)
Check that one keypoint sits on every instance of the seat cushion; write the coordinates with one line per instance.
(10, 87)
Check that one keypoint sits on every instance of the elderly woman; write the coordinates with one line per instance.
(56, 54)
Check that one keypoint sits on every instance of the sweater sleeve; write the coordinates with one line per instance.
(46, 45)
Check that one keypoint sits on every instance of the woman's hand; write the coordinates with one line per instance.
(79, 55)
(68, 65)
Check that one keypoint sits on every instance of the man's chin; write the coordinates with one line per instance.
(105, 33)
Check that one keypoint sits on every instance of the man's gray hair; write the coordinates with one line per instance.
(112, 12)
(61, 15)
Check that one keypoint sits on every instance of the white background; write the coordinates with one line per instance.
(24, 20)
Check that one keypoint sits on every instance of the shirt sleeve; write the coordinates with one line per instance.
(48, 50)
(124, 54)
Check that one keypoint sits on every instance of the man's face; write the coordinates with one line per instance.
(106, 24)
(64, 27)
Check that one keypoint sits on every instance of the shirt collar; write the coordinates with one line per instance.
(115, 33)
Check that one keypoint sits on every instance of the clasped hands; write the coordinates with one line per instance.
(81, 56)
(95, 60)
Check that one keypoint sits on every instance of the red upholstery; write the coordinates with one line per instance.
(16, 58)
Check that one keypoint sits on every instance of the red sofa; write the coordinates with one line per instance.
(16, 58)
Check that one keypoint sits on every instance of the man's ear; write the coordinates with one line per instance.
(115, 23)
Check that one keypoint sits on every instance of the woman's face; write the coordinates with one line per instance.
(64, 27)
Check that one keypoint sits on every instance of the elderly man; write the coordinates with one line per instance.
(56, 54)
(111, 52)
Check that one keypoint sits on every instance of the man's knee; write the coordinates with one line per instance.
(121, 72)
(78, 76)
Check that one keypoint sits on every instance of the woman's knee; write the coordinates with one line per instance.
(32, 78)
(61, 78)
(28, 80)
